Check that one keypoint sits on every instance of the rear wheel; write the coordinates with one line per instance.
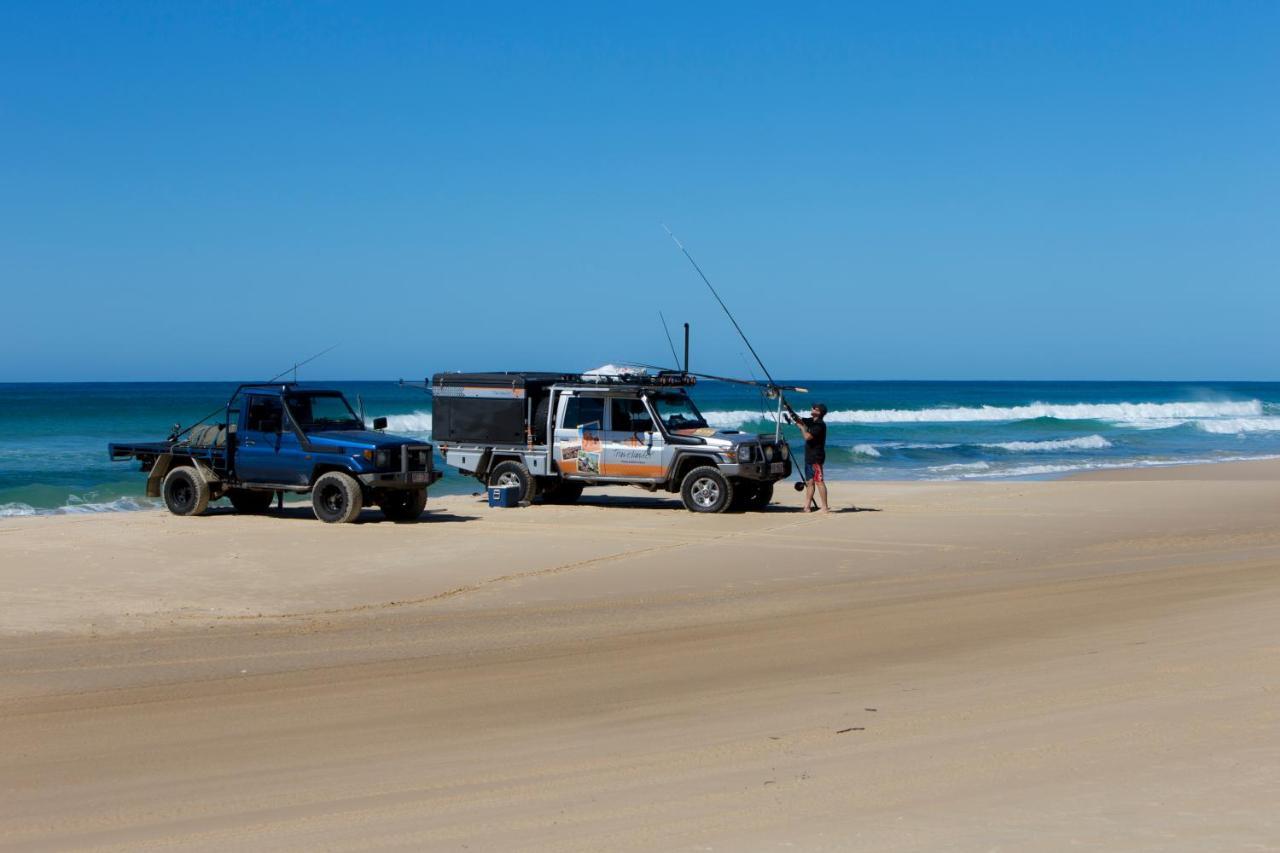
(705, 489)
(513, 473)
(403, 504)
(251, 501)
(337, 498)
(185, 491)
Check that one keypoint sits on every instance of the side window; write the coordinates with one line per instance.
(265, 414)
(629, 415)
(583, 410)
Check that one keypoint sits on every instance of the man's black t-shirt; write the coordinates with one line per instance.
(815, 449)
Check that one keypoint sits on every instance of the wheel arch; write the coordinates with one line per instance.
(685, 463)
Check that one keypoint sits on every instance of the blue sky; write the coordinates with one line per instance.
(1072, 190)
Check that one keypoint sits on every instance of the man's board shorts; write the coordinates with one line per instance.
(813, 471)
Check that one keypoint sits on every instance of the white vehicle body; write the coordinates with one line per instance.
(631, 429)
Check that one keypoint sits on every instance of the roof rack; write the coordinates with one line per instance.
(667, 378)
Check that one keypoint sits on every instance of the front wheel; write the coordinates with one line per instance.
(403, 504)
(185, 491)
(705, 489)
(336, 498)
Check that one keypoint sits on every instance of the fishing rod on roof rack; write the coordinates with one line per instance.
(772, 387)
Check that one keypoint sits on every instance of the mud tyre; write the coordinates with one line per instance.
(705, 489)
(185, 491)
(251, 501)
(403, 504)
(336, 498)
(513, 473)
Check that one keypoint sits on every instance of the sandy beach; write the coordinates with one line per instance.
(972, 666)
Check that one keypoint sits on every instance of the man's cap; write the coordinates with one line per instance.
(822, 408)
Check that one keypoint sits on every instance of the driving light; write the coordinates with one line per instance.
(769, 452)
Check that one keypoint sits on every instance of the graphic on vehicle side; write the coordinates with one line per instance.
(588, 459)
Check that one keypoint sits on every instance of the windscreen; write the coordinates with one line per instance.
(677, 411)
(316, 412)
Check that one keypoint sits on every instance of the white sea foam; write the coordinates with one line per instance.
(1237, 426)
(1045, 470)
(1060, 411)
(415, 422)
(960, 466)
(866, 450)
(1147, 415)
(733, 419)
(77, 506)
(1089, 442)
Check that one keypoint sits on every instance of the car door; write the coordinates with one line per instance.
(579, 426)
(260, 442)
(632, 445)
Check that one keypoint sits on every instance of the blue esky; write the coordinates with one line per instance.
(897, 190)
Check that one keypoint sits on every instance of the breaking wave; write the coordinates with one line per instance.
(1089, 442)
(866, 450)
(419, 422)
(1141, 415)
(1237, 426)
(76, 506)
(733, 419)
(1058, 411)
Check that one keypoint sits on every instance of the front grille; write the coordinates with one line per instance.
(419, 457)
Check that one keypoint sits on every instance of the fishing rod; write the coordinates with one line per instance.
(773, 386)
(727, 312)
(179, 432)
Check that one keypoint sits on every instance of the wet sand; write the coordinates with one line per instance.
(1091, 662)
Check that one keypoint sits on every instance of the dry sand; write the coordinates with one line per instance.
(976, 666)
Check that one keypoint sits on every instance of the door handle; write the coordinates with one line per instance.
(248, 442)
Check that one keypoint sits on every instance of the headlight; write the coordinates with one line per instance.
(786, 451)
(744, 453)
(383, 458)
(769, 452)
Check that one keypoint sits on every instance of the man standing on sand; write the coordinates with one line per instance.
(815, 453)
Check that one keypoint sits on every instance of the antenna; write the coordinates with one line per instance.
(294, 369)
(686, 347)
(670, 342)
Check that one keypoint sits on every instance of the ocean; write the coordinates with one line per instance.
(53, 437)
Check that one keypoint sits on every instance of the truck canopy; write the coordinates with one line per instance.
(489, 408)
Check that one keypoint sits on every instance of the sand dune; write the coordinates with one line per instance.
(971, 666)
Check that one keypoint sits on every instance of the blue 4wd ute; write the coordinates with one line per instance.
(285, 438)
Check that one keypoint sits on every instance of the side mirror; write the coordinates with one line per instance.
(379, 423)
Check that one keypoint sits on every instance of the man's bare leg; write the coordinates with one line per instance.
(808, 495)
(822, 496)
